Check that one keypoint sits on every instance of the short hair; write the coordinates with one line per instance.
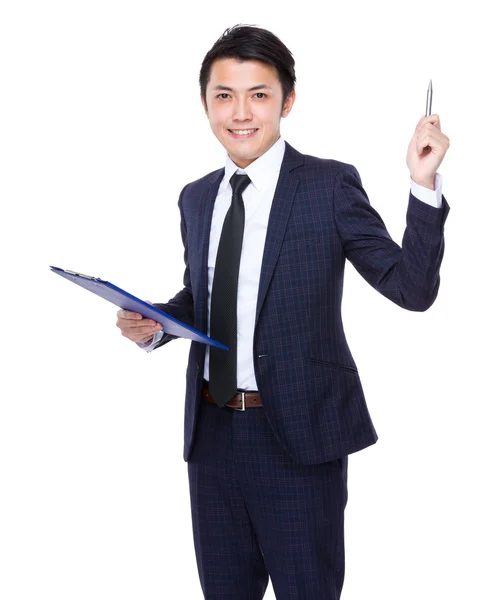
(248, 42)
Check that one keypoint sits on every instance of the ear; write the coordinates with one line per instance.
(203, 104)
(290, 100)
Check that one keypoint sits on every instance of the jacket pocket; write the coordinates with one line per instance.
(327, 363)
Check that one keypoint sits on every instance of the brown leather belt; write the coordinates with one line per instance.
(240, 401)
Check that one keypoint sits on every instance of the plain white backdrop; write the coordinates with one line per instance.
(101, 127)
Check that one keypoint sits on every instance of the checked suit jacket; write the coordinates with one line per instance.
(307, 378)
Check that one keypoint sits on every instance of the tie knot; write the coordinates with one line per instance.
(239, 183)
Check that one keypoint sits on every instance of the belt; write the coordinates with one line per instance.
(239, 401)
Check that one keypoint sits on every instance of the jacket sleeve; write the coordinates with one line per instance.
(407, 275)
(181, 306)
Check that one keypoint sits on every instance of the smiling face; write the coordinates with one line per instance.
(245, 96)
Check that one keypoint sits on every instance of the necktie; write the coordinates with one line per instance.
(223, 320)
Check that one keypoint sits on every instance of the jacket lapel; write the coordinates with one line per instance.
(278, 219)
(208, 201)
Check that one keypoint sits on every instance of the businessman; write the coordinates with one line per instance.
(269, 424)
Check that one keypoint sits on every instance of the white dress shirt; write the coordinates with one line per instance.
(257, 197)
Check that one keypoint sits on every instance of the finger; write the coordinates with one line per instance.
(128, 314)
(429, 130)
(434, 139)
(422, 144)
(141, 326)
(433, 132)
(138, 334)
(441, 138)
(148, 334)
(435, 125)
(138, 337)
(432, 119)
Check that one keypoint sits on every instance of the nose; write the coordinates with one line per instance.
(242, 111)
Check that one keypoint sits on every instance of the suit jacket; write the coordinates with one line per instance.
(306, 375)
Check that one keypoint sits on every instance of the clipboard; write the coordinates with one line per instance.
(127, 301)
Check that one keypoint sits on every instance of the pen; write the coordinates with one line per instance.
(429, 98)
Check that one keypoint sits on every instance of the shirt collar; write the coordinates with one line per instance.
(261, 171)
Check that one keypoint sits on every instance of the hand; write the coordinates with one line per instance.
(426, 150)
(135, 327)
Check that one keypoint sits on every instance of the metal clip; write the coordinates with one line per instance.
(80, 274)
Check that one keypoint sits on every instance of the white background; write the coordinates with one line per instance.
(101, 127)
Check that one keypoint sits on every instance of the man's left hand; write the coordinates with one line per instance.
(426, 150)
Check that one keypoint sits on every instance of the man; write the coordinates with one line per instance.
(265, 241)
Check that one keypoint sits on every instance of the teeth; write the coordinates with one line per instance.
(242, 131)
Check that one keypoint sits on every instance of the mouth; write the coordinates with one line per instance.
(243, 133)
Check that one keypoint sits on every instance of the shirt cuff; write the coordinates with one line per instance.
(431, 197)
(149, 346)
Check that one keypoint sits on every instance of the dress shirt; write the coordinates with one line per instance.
(258, 198)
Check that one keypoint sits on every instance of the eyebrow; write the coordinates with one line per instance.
(262, 86)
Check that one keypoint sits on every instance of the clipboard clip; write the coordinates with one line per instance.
(80, 274)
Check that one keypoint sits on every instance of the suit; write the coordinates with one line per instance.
(307, 378)
(268, 485)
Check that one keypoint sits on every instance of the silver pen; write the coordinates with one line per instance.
(429, 98)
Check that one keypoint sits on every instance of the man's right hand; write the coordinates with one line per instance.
(136, 327)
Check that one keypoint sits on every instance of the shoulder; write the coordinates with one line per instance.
(325, 166)
(194, 188)
(329, 172)
(205, 180)
(200, 184)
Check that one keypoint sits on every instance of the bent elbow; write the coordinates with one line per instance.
(424, 302)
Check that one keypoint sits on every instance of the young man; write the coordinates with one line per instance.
(270, 423)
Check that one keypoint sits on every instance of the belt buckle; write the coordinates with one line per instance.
(243, 397)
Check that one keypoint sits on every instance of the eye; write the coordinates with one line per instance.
(225, 94)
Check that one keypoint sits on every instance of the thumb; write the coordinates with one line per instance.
(149, 302)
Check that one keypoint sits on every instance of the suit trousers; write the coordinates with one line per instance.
(257, 513)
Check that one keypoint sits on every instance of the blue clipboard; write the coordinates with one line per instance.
(126, 301)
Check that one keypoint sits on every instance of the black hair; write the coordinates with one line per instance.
(248, 42)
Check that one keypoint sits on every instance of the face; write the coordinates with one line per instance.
(233, 103)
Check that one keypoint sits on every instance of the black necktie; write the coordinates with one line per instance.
(223, 320)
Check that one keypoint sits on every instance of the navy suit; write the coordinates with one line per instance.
(268, 486)
(307, 378)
